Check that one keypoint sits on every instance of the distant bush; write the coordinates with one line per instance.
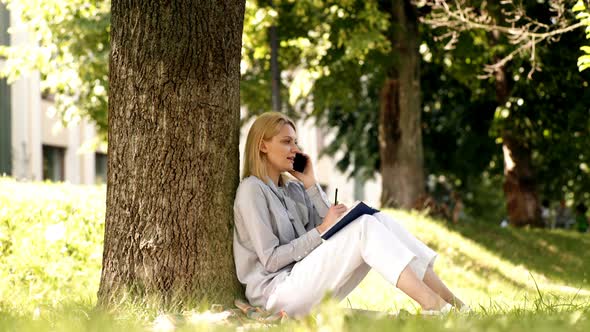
(485, 201)
(51, 239)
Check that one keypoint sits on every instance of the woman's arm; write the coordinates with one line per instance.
(312, 188)
(319, 199)
(253, 219)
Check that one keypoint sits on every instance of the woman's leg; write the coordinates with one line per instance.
(415, 288)
(425, 256)
(434, 282)
(342, 261)
(424, 263)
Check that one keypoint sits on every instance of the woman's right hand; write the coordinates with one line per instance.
(334, 213)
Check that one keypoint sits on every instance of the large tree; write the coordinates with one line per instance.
(400, 132)
(173, 151)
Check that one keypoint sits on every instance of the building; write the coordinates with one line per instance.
(35, 146)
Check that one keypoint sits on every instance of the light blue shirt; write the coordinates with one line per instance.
(274, 228)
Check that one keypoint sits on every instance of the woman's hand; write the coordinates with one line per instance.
(334, 213)
(308, 175)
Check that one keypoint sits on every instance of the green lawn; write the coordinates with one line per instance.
(491, 266)
(515, 279)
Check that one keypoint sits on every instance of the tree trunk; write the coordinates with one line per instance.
(522, 202)
(173, 151)
(400, 132)
(5, 103)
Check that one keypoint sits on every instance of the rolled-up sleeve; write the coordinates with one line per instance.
(319, 200)
(253, 217)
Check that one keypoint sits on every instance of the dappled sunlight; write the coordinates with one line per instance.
(471, 111)
(51, 235)
(51, 238)
(566, 266)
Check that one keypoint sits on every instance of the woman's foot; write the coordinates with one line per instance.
(465, 309)
(435, 304)
(447, 308)
(457, 303)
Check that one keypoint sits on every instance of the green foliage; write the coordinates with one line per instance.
(463, 122)
(551, 117)
(340, 80)
(333, 56)
(50, 243)
(307, 30)
(69, 46)
(583, 14)
(458, 111)
(74, 318)
(330, 318)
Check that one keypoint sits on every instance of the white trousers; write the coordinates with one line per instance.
(339, 264)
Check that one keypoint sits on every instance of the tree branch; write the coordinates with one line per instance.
(461, 17)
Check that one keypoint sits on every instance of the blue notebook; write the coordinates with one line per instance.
(356, 210)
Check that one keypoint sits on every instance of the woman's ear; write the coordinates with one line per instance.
(263, 147)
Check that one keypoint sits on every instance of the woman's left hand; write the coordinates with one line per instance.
(308, 175)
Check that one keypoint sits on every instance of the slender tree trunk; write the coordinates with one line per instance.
(400, 132)
(522, 202)
(173, 151)
(5, 103)
(275, 71)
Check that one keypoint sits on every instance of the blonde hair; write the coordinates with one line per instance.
(265, 127)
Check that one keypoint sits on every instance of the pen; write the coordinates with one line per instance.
(336, 197)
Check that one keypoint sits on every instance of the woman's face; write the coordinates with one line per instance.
(281, 149)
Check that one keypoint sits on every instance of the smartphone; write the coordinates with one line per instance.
(299, 162)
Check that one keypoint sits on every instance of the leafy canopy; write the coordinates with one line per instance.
(583, 14)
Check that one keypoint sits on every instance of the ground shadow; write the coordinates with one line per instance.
(560, 255)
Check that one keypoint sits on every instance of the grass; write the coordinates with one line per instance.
(50, 243)
(491, 266)
(515, 279)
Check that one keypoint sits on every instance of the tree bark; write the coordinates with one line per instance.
(522, 201)
(173, 151)
(400, 132)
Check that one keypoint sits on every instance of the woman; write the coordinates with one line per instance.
(279, 253)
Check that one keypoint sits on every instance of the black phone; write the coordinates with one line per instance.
(299, 162)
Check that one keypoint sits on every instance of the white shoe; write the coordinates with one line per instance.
(443, 311)
(465, 309)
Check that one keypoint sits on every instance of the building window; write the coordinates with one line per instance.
(100, 167)
(53, 163)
